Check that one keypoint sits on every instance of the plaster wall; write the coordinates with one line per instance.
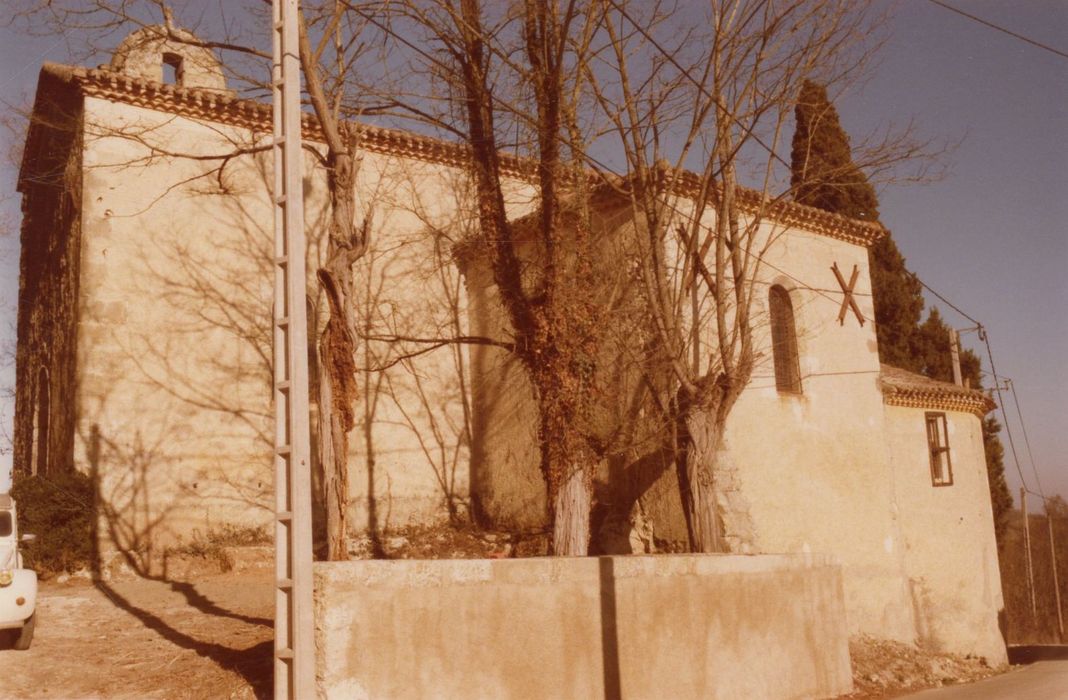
(951, 557)
(173, 401)
(682, 626)
(173, 332)
(814, 466)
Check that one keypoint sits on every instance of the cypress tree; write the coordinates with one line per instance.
(823, 175)
(898, 305)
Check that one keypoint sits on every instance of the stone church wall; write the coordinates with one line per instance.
(173, 403)
(815, 465)
(44, 426)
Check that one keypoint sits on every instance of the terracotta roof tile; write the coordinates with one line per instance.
(222, 108)
(903, 388)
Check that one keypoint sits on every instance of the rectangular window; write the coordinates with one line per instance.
(938, 447)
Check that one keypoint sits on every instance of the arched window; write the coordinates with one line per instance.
(784, 341)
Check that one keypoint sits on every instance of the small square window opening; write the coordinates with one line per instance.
(172, 69)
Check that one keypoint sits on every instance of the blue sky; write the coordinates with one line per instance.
(990, 236)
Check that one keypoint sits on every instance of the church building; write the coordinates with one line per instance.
(144, 358)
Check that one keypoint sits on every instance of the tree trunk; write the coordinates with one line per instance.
(704, 434)
(337, 344)
(567, 460)
(571, 506)
(333, 453)
(337, 350)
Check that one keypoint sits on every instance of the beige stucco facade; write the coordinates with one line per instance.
(948, 536)
(157, 351)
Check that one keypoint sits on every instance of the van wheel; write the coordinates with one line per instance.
(25, 638)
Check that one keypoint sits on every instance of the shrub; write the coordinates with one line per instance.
(212, 546)
(58, 508)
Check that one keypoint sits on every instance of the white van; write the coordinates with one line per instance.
(18, 586)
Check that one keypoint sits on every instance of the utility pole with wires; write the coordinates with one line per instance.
(954, 354)
(294, 625)
(1056, 583)
(1027, 549)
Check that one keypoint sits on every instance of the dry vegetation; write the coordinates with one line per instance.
(1021, 627)
(884, 669)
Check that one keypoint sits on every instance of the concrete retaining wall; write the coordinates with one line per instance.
(684, 626)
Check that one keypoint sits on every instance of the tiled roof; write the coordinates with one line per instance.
(903, 388)
(223, 108)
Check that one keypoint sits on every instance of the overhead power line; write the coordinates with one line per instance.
(947, 302)
(1001, 403)
(1027, 441)
(999, 28)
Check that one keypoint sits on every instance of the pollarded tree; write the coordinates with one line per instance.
(519, 70)
(711, 90)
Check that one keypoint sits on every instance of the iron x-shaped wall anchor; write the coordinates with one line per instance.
(848, 302)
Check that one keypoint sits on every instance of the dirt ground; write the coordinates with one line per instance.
(148, 639)
(197, 634)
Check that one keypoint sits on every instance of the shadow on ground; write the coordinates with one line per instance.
(254, 663)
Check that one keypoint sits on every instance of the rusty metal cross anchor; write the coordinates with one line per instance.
(848, 302)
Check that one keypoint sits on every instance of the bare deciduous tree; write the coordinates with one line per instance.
(714, 92)
(517, 70)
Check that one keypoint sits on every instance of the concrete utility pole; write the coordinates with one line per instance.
(294, 624)
(1056, 583)
(1027, 546)
(954, 352)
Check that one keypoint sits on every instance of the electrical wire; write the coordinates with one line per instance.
(1001, 404)
(999, 28)
(948, 303)
(1027, 441)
